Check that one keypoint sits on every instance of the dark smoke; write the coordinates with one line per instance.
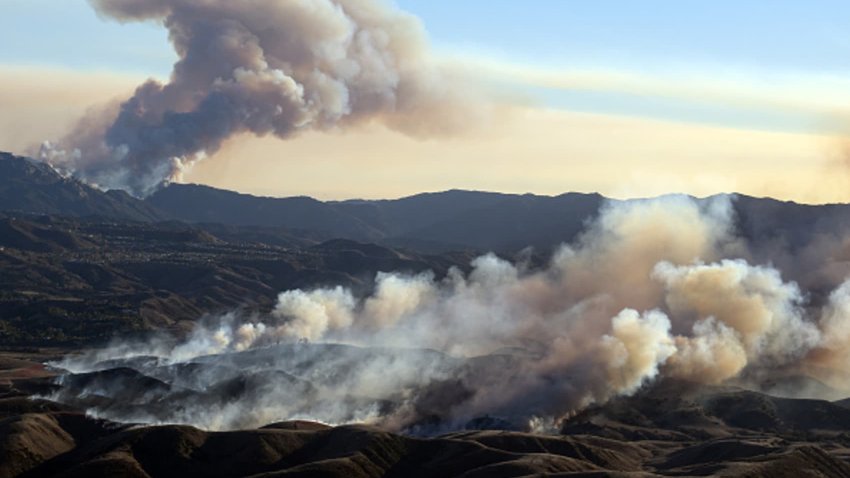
(261, 67)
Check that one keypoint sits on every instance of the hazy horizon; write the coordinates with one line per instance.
(273, 195)
(608, 98)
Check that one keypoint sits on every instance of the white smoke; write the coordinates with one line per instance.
(635, 349)
(313, 314)
(649, 290)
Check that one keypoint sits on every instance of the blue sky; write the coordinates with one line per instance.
(756, 45)
(68, 33)
(757, 35)
(753, 35)
(756, 41)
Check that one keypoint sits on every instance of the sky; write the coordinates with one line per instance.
(625, 98)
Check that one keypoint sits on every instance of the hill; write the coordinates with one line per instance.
(483, 221)
(428, 222)
(434, 222)
(667, 429)
(31, 186)
(70, 280)
(203, 204)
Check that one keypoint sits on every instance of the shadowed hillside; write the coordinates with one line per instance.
(669, 429)
(68, 281)
(430, 222)
(31, 186)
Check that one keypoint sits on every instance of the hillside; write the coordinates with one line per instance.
(34, 187)
(428, 222)
(203, 204)
(667, 429)
(433, 222)
(483, 221)
(72, 281)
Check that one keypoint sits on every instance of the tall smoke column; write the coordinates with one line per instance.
(264, 67)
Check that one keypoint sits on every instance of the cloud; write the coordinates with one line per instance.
(809, 95)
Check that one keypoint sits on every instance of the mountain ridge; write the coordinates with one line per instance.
(31, 186)
(435, 222)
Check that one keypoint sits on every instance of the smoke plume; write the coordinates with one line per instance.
(651, 289)
(264, 68)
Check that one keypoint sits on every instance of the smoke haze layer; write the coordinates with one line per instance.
(264, 68)
(652, 289)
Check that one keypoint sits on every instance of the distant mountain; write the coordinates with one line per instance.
(794, 225)
(432, 221)
(34, 187)
(456, 219)
(515, 222)
(196, 203)
(399, 217)
(428, 222)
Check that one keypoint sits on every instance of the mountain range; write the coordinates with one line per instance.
(432, 222)
(81, 265)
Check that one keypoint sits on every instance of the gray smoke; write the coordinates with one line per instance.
(652, 289)
(261, 67)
